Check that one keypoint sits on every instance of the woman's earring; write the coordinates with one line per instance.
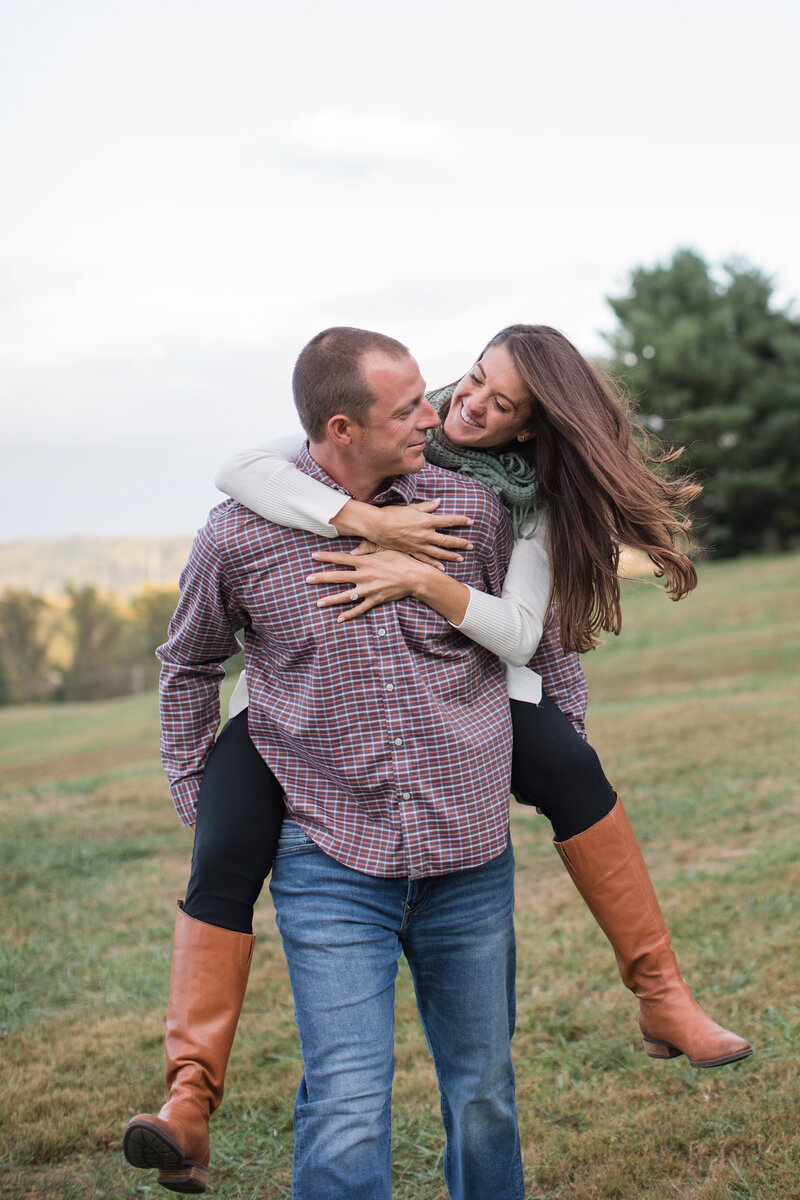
(523, 437)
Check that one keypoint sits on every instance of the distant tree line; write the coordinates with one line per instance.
(714, 366)
(88, 647)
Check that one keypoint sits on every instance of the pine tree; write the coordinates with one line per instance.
(715, 367)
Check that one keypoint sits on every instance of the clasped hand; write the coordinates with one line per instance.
(415, 529)
(375, 575)
(403, 544)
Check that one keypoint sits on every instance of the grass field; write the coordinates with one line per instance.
(695, 713)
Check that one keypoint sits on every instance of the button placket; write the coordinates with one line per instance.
(397, 742)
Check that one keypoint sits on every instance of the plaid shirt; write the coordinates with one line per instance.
(390, 735)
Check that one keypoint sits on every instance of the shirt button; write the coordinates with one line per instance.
(381, 632)
(390, 687)
(398, 741)
(406, 795)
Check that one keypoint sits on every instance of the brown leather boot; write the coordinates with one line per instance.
(607, 868)
(210, 967)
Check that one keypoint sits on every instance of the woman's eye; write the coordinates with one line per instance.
(475, 380)
(502, 409)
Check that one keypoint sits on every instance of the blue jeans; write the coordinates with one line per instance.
(343, 933)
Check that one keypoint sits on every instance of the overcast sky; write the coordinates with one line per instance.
(189, 189)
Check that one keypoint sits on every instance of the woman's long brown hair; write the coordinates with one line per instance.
(602, 489)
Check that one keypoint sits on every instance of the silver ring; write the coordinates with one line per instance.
(354, 594)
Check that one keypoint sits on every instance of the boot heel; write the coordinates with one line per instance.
(191, 1179)
(660, 1049)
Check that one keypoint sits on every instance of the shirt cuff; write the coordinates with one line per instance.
(184, 795)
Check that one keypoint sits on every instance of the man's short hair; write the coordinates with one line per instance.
(328, 376)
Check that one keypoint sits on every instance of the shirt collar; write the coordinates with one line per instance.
(402, 489)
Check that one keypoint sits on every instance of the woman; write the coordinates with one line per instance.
(553, 437)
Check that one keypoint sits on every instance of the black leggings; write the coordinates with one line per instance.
(239, 815)
(240, 806)
(553, 767)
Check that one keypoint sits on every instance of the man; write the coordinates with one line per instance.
(391, 738)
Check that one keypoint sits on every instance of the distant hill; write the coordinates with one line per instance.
(122, 565)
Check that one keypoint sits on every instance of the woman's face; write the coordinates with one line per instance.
(490, 407)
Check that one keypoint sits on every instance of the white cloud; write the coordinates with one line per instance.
(356, 143)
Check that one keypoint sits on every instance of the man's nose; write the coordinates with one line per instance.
(429, 418)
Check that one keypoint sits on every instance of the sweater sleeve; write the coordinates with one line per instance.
(510, 625)
(265, 480)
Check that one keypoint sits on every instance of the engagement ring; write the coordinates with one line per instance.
(354, 594)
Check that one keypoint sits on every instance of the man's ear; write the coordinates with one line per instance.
(340, 430)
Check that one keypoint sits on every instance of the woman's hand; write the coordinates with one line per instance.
(413, 529)
(375, 578)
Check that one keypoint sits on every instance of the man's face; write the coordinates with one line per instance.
(392, 439)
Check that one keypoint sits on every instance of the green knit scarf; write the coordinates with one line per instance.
(508, 474)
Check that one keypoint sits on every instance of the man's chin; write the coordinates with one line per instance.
(415, 460)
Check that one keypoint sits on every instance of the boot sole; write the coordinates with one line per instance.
(664, 1050)
(146, 1146)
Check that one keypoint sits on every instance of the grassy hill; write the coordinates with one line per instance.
(694, 712)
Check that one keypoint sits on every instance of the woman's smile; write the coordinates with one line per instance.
(466, 418)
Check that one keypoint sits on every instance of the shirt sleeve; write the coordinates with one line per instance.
(510, 625)
(562, 675)
(265, 480)
(201, 638)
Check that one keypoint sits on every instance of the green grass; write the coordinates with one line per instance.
(694, 712)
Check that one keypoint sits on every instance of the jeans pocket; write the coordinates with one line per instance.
(293, 839)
